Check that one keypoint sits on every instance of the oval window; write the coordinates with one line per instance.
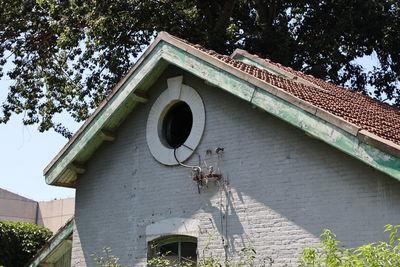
(177, 124)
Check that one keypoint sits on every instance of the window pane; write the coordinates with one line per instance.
(177, 249)
(169, 249)
(170, 253)
(188, 252)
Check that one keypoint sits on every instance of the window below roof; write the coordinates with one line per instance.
(176, 250)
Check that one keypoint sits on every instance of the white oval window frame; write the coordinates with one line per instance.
(176, 92)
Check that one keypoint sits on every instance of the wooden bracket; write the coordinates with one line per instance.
(78, 167)
(107, 135)
(139, 97)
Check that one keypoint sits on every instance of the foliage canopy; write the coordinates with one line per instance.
(68, 55)
(19, 242)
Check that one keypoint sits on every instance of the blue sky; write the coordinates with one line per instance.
(24, 152)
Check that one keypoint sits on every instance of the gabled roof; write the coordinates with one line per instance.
(355, 124)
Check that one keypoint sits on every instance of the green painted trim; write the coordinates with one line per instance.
(54, 243)
(122, 95)
(233, 81)
(256, 64)
(215, 76)
(286, 111)
(328, 133)
(164, 240)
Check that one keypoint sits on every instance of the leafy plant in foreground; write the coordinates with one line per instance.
(374, 254)
(328, 253)
(247, 257)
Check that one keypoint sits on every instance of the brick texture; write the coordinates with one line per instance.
(280, 188)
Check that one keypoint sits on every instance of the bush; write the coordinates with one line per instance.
(247, 257)
(375, 254)
(327, 254)
(19, 242)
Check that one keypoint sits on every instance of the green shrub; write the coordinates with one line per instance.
(375, 254)
(19, 242)
(327, 254)
(247, 257)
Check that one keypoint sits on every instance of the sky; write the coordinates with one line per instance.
(25, 152)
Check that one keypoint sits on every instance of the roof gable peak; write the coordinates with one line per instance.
(318, 108)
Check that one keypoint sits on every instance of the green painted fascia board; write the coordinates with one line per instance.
(54, 243)
(119, 98)
(328, 133)
(284, 110)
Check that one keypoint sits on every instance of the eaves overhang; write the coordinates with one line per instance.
(55, 247)
(377, 152)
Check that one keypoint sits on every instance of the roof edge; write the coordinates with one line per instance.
(362, 134)
(371, 155)
(161, 36)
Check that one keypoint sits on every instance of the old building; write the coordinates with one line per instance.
(192, 143)
(56, 215)
(52, 214)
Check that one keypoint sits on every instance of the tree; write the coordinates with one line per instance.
(19, 242)
(68, 55)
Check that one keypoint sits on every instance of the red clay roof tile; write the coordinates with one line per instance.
(378, 118)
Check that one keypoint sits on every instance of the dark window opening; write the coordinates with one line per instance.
(177, 250)
(177, 124)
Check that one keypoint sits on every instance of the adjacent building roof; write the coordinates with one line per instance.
(356, 124)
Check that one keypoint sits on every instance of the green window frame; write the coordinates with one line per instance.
(178, 249)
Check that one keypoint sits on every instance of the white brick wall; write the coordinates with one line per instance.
(282, 188)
